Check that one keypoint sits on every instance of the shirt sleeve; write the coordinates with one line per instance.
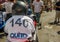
(33, 3)
(42, 3)
(3, 4)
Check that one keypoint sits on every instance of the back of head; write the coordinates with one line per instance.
(19, 8)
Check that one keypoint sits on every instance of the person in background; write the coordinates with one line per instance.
(8, 7)
(57, 17)
(1, 9)
(49, 6)
(37, 6)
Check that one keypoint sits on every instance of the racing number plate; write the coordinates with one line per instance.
(17, 21)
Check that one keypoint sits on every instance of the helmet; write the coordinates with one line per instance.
(19, 8)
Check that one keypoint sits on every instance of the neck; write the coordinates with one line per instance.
(18, 13)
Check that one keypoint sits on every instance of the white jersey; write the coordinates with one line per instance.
(18, 28)
(37, 6)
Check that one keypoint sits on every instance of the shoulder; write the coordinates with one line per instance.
(34, 1)
(41, 2)
(28, 18)
(4, 3)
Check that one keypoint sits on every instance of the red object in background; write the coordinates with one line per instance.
(35, 23)
(27, 41)
(1, 1)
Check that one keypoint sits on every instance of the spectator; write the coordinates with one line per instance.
(49, 6)
(8, 7)
(2, 9)
(37, 8)
(57, 12)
